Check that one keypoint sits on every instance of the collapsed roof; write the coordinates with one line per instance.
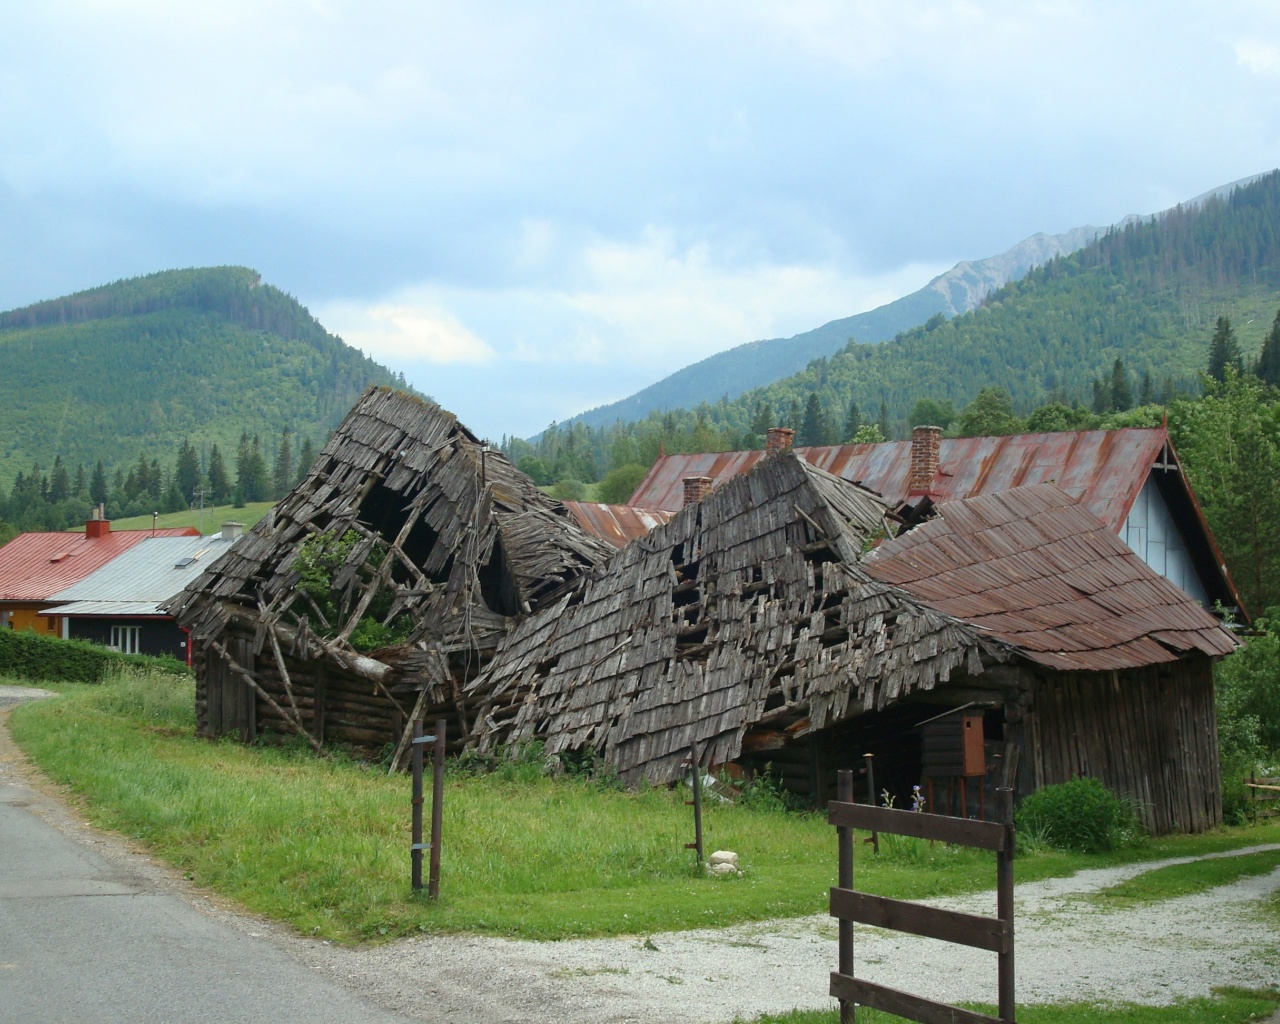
(748, 609)
(411, 515)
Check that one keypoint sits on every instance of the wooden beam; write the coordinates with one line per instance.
(988, 933)
(985, 835)
(903, 1004)
(247, 676)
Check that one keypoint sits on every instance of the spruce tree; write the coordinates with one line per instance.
(219, 481)
(1147, 393)
(98, 484)
(306, 457)
(187, 473)
(1121, 392)
(1224, 351)
(852, 422)
(59, 482)
(883, 422)
(282, 476)
(1268, 368)
(813, 426)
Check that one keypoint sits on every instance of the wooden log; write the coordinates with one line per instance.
(234, 666)
(985, 835)
(987, 933)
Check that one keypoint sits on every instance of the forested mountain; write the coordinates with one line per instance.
(756, 363)
(131, 368)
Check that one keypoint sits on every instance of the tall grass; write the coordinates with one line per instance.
(323, 844)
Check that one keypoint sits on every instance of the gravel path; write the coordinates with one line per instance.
(1067, 949)
(11, 696)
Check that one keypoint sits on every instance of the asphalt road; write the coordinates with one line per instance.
(93, 935)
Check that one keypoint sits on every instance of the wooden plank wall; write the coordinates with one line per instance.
(1147, 734)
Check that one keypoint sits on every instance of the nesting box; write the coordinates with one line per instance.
(953, 745)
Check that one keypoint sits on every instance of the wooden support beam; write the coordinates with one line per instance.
(247, 676)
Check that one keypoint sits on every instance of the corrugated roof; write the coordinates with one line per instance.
(105, 609)
(146, 575)
(617, 524)
(1103, 468)
(1041, 572)
(34, 566)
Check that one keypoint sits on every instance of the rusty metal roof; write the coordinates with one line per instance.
(1104, 468)
(34, 566)
(617, 524)
(1041, 572)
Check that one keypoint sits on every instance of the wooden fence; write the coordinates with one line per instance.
(1264, 796)
(850, 906)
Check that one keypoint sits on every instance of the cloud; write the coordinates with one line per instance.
(398, 333)
(1257, 57)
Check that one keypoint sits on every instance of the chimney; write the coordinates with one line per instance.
(232, 530)
(97, 525)
(779, 439)
(696, 488)
(926, 445)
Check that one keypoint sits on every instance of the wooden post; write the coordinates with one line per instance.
(696, 845)
(844, 836)
(1004, 906)
(871, 791)
(415, 840)
(437, 808)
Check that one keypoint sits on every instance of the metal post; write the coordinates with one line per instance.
(696, 845)
(871, 790)
(437, 809)
(844, 837)
(415, 847)
(1004, 905)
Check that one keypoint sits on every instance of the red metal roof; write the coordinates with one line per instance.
(34, 566)
(1103, 468)
(1040, 572)
(617, 524)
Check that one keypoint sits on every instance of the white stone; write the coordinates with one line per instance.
(724, 857)
(722, 869)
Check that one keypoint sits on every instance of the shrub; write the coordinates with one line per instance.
(1082, 816)
(568, 489)
(38, 656)
(619, 484)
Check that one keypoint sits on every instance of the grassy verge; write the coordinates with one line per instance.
(1176, 880)
(322, 845)
(1227, 1006)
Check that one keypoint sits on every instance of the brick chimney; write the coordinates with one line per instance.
(926, 445)
(97, 525)
(779, 439)
(696, 488)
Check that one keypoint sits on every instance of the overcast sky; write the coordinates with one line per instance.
(532, 209)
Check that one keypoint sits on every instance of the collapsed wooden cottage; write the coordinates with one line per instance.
(380, 586)
(753, 625)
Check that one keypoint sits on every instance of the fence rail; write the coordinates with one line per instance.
(849, 906)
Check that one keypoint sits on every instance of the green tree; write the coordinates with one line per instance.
(187, 472)
(1147, 392)
(219, 481)
(852, 423)
(933, 413)
(813, 428)
(98, 484)
(1121, 391)
(1224, 351)
(1268, 368)
(59, 482)
(1057, 416)
(619, 484)
(306, 459)
(883, 421)
(282, 474)
(990, 414)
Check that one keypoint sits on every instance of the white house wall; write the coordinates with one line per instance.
(1153, 535)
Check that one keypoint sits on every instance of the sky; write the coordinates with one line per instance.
(535, 209)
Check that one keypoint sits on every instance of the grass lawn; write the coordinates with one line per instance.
(210, 521)
(1176, 880)
(1232, 1006)
(323, 844)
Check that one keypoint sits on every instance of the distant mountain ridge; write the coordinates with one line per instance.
(132, 367)
(758, 363)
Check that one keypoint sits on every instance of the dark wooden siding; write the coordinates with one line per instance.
(156, 637)
(1147, 734)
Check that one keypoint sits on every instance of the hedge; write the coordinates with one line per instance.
(37, 656)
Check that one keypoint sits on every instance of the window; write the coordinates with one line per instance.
(125, 638)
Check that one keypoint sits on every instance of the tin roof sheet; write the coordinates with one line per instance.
(1105, 469)
(34, 566)
(1039, 571)
(617, 524)
(150, 572)
(105, 609)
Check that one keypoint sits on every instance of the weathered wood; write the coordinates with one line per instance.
(248, 678)
(949, 925)
(903, 1004)
(984, 835)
